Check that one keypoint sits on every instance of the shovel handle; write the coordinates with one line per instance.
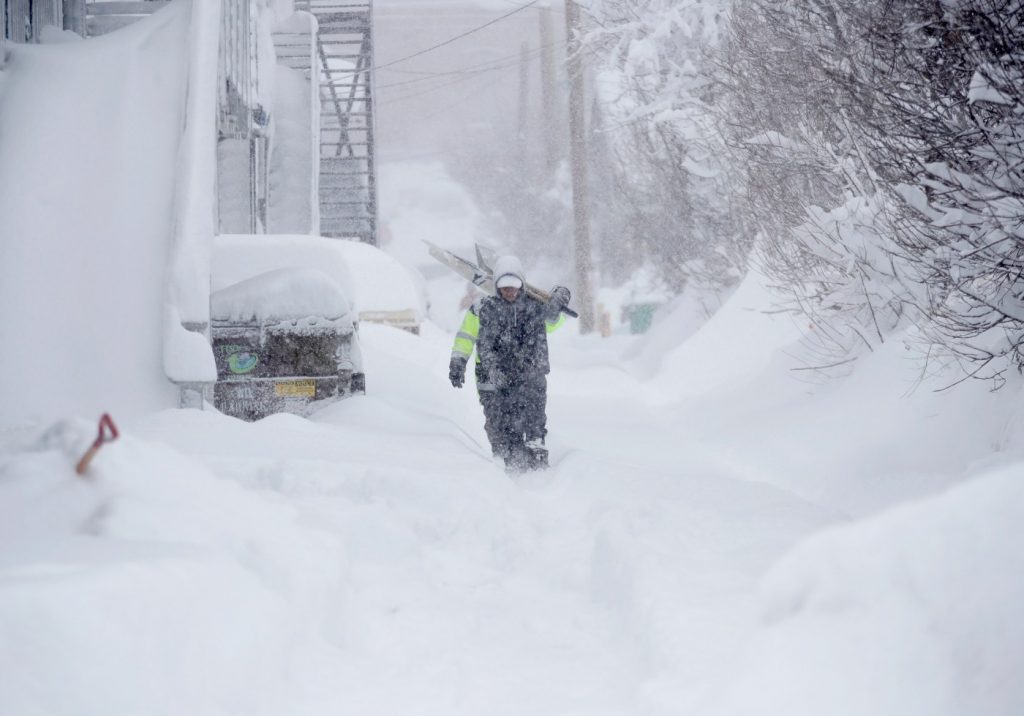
(107, 433)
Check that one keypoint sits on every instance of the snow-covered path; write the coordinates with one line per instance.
(619, 581)
(374, 560)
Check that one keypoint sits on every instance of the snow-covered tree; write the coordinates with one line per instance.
(883, 143)
(663, 181)
(822, 224)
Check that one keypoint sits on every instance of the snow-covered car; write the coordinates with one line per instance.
(284, 331)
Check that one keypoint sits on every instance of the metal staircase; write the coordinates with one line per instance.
(348, 188)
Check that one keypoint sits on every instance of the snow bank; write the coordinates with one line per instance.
(597, 587)
(380, 282)
(187, 357)
(152, 586)
(673, 324)
(195, 191)
(884, 433)
(915, 612)
(89, 139)
(734, 347)
(187, 354)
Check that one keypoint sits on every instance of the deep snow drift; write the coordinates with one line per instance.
(353, 568)
(374, 559)
(89, 137)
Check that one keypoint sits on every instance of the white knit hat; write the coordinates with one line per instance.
(508, 271)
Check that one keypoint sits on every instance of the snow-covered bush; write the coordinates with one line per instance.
(906, 120)
(664, 173)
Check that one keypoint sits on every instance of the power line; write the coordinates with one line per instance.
(485, 63)
(449, 105)
(472, 73)
(469, 71)
(450, 40)
(459, 78)
(429, 90)
(516, 4)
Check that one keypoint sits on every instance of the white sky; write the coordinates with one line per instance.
(421, 117)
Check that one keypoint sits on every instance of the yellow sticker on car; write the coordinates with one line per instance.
(305, 388)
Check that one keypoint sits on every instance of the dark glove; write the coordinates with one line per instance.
(558, 298)
(457, 371)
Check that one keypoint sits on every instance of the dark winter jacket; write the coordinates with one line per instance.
(513, 336)
(510, 337)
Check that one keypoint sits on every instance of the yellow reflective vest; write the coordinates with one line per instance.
(469, 331)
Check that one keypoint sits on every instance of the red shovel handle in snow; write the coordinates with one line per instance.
(107, 433)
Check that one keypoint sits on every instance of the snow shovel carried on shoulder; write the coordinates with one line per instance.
(481, 274)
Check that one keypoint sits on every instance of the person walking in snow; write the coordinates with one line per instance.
(509, 331)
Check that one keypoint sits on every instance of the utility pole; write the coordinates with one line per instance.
(524, 102)
(578, 161)
(550, 122)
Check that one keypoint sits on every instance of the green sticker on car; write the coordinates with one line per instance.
(242, 362)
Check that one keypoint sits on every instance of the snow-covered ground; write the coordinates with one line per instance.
(373, 559)
(715, 535)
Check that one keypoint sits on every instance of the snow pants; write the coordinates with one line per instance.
(515, 414)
